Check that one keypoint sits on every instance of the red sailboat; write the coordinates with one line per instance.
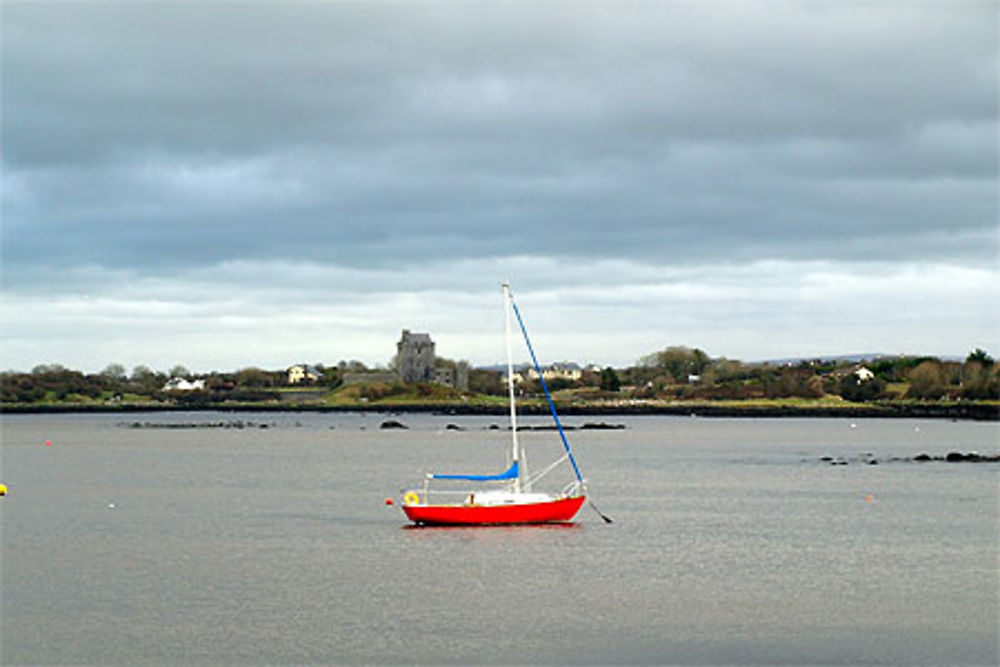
(510, 496)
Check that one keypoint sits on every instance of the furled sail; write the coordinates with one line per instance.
(510, 473)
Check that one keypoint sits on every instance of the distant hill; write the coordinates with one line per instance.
(845, 358)
(837, 358)
(502, 368)
(851, 358)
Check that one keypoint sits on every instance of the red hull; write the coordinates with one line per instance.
(547, 512)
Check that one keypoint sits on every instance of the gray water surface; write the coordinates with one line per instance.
(732, 544)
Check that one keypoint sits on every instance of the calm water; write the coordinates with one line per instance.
(732, 544)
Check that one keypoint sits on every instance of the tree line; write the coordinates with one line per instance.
(674, 373)
(54, 382)
(681, 372)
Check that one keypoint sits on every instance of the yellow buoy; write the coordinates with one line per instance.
(3, 489)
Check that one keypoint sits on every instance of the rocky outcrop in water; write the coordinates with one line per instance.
(971, 457)
(601, 426)
(950, 457)
(179, 425)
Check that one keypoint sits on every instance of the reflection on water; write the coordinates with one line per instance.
(501, 528)
(504, 532)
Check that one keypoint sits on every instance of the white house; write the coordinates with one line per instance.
(180, 384)
(303, 373)
(863, 374)
(565, 370)
(562, 370)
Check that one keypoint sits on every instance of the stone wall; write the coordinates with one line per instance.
(368, 378)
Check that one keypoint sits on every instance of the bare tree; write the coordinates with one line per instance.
(927, 381)
(114, 372)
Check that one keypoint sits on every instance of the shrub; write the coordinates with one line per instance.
(927, 381)
(851, 388)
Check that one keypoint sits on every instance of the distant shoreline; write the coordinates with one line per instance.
(964, 411)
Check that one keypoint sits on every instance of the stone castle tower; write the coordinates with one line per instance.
(415, 357)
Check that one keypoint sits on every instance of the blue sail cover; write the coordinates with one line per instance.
(510, 473)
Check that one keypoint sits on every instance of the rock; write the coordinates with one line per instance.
(923, 457)
(453, 427)
(971, 457)
(392, 423)
(601, 426)
(552, 427)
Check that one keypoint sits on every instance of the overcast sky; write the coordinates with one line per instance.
(223, 185)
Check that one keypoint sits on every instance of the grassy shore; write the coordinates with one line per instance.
(445, 400)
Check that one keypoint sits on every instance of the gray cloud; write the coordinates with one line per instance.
(158, 139)
(606, 311)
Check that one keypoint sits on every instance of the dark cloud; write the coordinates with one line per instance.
(158, 138)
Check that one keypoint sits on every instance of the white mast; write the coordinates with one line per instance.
(515, 448)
